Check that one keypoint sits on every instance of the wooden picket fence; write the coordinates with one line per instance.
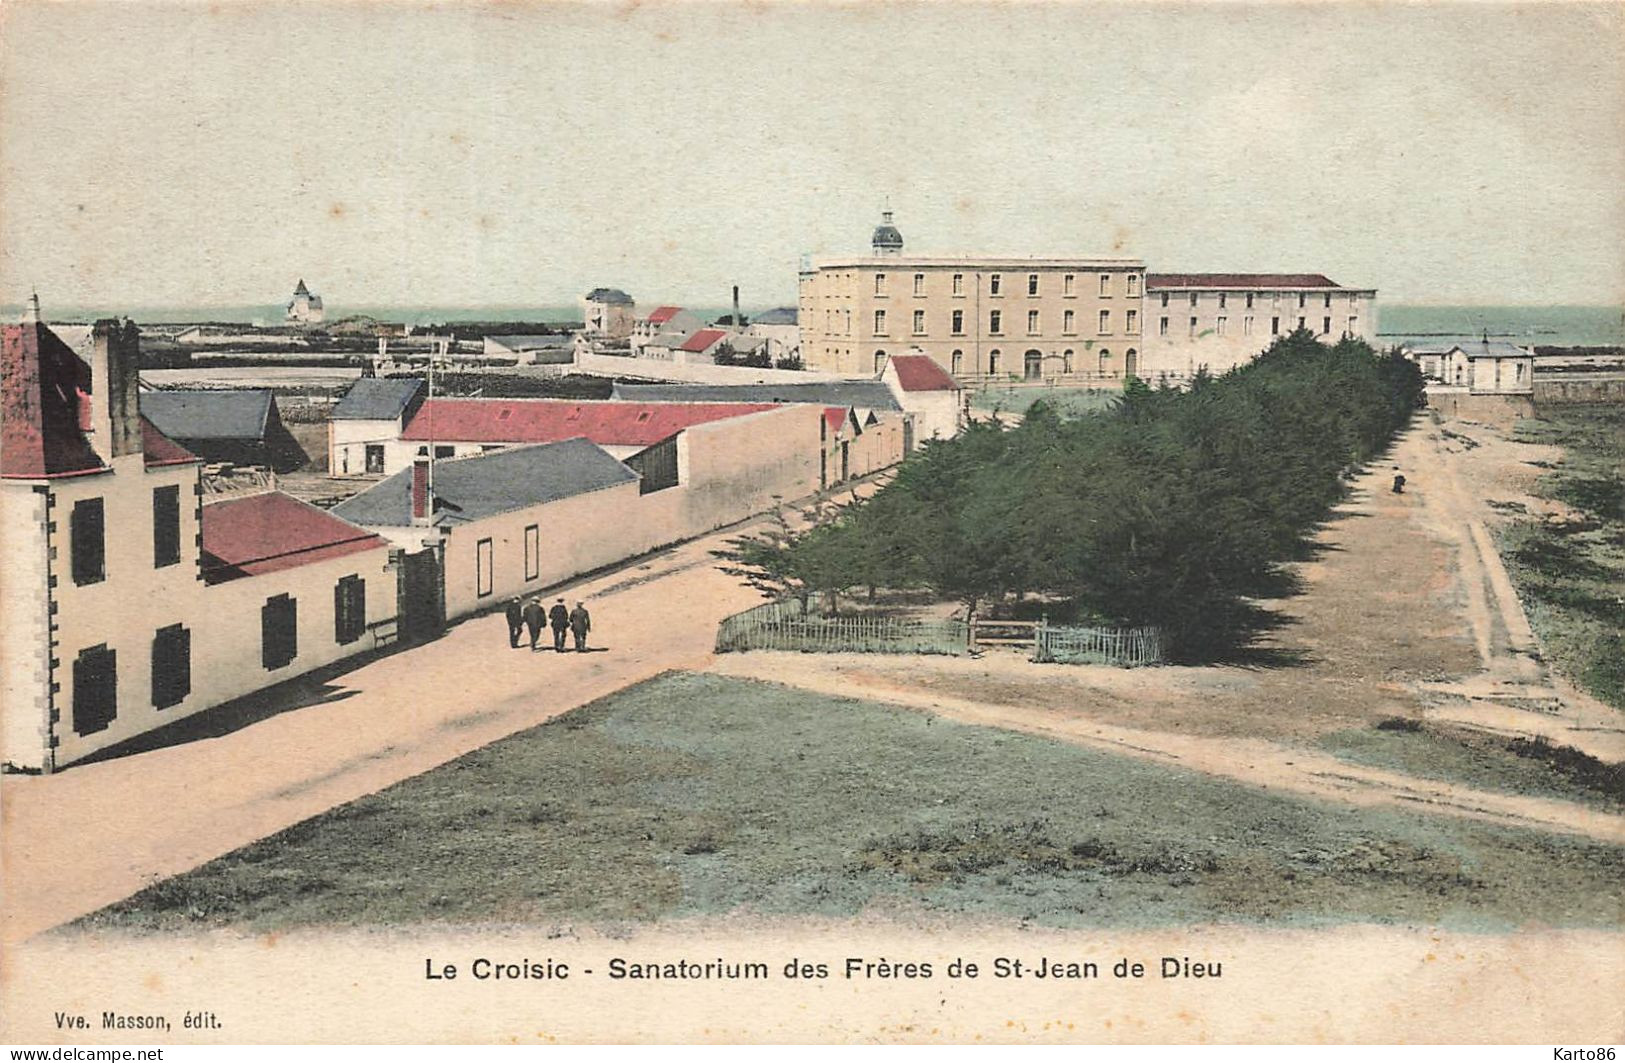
(1125, 647)
(782, 626)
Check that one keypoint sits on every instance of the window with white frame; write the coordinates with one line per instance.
(1069, 324)
(919, 284)
(1131, 321)
(1032, 284)
(1105, 322)
(1134, 284)
(919, 322)
(1067, 284)
(1032, 322)
(959, 284)
(880, 322)
(958, 320)
(1105, 284)
(995, 284)
(995, 322)
(1162, 326)
(1221, 324)
(880, 284)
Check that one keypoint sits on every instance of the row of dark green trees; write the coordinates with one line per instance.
(1175, 508)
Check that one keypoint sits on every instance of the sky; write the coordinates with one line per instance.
(520, 153)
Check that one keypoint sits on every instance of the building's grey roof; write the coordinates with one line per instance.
(862, 394)
(609, 295)
(886, 235)
(779, 315)
(377, 399)
(208, 414)
(469, 489)
(1473, 349)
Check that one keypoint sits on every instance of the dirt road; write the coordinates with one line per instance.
(97, 832)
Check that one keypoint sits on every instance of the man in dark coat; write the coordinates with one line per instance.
(580, 624)
(560, 618)
(516, 621)
(533, 620)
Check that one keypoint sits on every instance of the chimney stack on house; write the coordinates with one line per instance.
(739, 322)
(113, 418)
(420, 487)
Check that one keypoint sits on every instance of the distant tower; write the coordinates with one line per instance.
(305, 308)
(887, 241)
(31, 311)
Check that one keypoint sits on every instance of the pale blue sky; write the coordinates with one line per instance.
(521, 153)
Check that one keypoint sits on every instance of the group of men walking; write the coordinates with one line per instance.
(528, 616)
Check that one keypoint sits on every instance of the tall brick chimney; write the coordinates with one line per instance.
(739, 322)
(420, 488)
(114, 417)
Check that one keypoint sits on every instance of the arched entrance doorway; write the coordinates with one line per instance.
(992, 363)
(1032, 365)
(1131, 363)
(1106, 368)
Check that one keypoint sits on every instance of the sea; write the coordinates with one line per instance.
(1546, 326)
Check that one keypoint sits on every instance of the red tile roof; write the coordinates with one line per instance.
(159, 449)
(920, 372)
(662, 314)
(551, 420)
(46, 402)
(835, 417)
(1238, 280)
(703, 340)
(43, 386)
(269, 532)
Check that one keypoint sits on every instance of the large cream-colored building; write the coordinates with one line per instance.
(1221, 320)
(980, 317)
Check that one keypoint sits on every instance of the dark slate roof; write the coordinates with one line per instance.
(377, 399)
(609, 295)
(779, 315)
(863, 394)
(468, 489)
(208, 414)
(532, 342)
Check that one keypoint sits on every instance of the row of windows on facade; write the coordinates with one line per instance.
(95, 670)
(995, 323)
(995, 284)
(87, 534)
(1221, 326)
(1032, 362)
(1275, 299)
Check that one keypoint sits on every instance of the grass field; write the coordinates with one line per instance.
(1481, 760)
(694, 795)
(1571, 575)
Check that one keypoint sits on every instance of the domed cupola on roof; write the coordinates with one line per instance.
(886, 240)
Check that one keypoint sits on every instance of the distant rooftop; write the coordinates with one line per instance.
(468, 489)
(920, 372)
(609, 295)
(1239, 280)
(550, 420)
(208, 414)
(377, 399)
(269, 532)
(863, 394)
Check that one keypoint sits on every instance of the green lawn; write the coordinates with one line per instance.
(693, 795)
(1571, 577)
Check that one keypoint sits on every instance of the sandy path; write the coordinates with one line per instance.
(98, 832)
